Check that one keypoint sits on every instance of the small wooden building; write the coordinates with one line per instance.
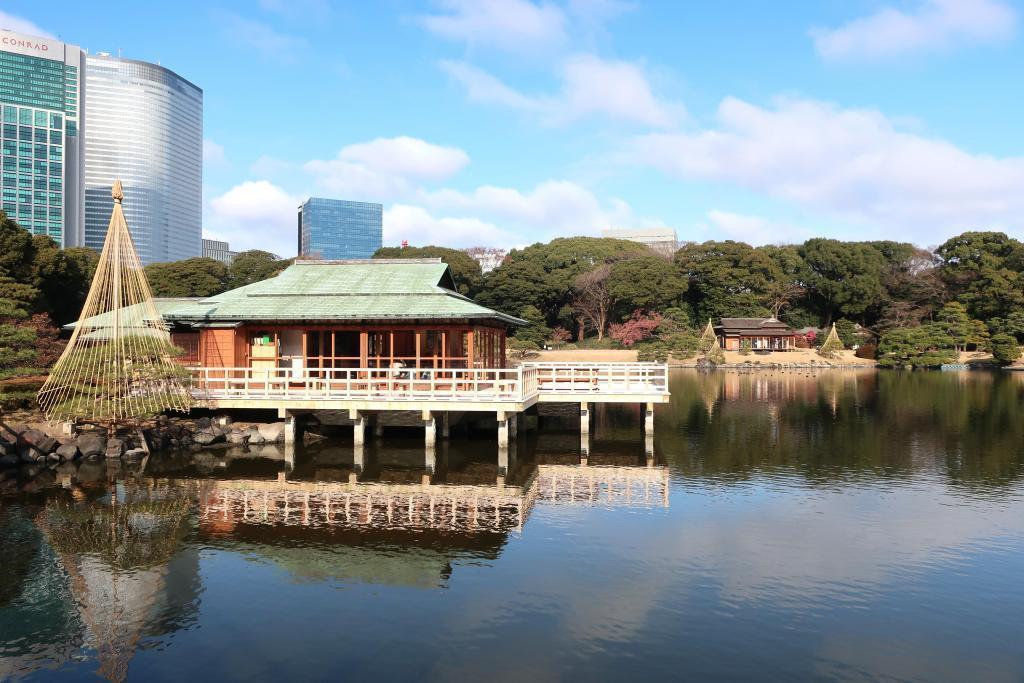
(762, 334)
(379, 313)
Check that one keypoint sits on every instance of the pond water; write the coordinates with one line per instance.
(790, 526)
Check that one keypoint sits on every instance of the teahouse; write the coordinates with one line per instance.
(320, 315)
(762, 334)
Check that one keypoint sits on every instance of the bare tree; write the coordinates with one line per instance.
(784, 296)
(591, 301)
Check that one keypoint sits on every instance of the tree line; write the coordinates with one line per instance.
(919, 306)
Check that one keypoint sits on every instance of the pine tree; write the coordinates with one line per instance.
(118, 364)
(832, 345)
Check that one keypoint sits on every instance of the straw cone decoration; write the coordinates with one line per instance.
(118, 364)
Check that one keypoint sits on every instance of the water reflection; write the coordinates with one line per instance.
(787, 525)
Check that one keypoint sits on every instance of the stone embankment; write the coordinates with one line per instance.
(37, 445)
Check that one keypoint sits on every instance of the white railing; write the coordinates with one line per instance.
(444, 384)
(601, 378)
(392, 384)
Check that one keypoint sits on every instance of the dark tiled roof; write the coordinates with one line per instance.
(752, 326)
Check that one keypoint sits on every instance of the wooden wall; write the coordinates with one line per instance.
(217, 347)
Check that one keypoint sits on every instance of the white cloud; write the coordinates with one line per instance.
(589, 86)
(213, 153)
(419, 227)
(18, 24)
(269, 42)
(513, 25)
(385, 168)
(553, 208)
(255, 215)
(856, 163)
(408, 157)
(755, 230)
(935, 25)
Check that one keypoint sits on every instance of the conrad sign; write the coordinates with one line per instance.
(31, 45)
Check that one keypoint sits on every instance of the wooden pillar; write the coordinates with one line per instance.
(649, 420)
(358, 427)
(584, 447)
(584, 418)
(430, 429)
(445, 425)
(418, 338)
(364, 349)
(290, 427)
(503, 430)
(470, 351)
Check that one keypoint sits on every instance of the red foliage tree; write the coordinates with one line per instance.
(638, 327)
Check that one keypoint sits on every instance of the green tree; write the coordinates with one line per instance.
(199, 277)
(650, 283)
(254, 266)
(465, 269)
(983, 272)
(17, 341)
(1012, 324)
(847, 331)
(537, 332)
(955, 322)
(844, 279)
(1005, 349)
(922, 346)
(543, 275)
(728, 279)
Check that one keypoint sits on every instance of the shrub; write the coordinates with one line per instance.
(745, 347)
(1004, 348)
(923, 346)
(869, 351)
(638, 327)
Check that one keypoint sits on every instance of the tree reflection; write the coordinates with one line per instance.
(115, 551)
(837, 425)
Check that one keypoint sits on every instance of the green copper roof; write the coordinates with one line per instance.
(344, 290)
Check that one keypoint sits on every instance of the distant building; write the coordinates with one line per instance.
(762, 334)
(661, 240)
(144, 127)
(41, 94)
(333, 229)
(218, 250)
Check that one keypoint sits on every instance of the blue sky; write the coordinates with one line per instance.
(503, 122)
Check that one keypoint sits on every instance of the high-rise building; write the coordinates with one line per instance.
(661, 240)
(216, 249)
(339, 229)
(41, 95)
(144, 127)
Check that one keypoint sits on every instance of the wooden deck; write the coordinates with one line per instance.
(474, 389)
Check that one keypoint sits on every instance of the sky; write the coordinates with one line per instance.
(505, 122)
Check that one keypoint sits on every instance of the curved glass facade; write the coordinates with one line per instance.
(146, 128)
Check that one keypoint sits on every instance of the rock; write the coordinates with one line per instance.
(6, 448)
(272, 432)
(238, 437)
(115, 448)
(134, 454)
(91, 444)
(39, 441)
(202, 423)
(254, 436)
(68, 451)
(310, 437)
(9, 460)
(27, 455)
(206, 438)
(54, 458)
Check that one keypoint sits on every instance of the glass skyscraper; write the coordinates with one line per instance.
(339, 229)
(145, 126)
(41, 96)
